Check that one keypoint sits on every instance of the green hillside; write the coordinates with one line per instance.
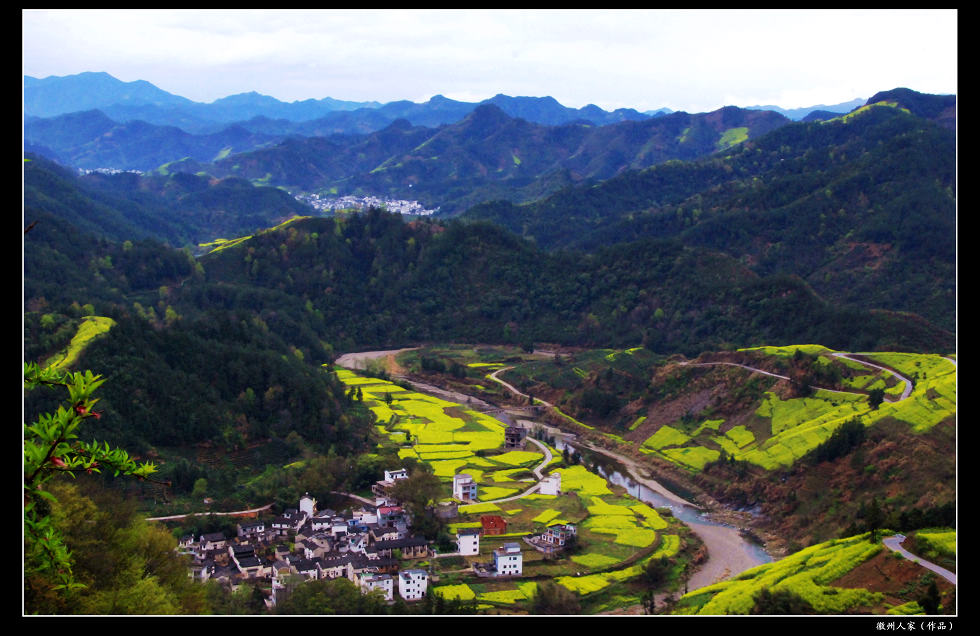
(842, 576)
(862, 207)
(795, 432)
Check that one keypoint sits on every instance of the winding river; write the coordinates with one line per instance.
(729, 552)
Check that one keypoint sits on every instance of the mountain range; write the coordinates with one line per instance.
(140, 100)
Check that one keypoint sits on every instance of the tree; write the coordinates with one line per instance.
(331, 596)
(552, 598)
(657, 572)
(875, 398)
(930, 601)
(873, 518)
(416, 494)
(52, 448)
(780, 602)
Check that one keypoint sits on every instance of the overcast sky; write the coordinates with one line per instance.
(692, 60)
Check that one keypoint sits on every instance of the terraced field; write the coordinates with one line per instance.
(783, 430)
(617, 534)
(843, 576)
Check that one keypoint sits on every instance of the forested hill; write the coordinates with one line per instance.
(179, 209)
(230, 344)
(374, 280)
(862, 207)
(487, 154)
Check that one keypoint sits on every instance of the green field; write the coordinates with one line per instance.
(612, 529)
(809, 573)
(785, 430)
(91, 328)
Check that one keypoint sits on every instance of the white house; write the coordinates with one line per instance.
(412, 584)
(392, 475)
(551, 485)
(307, 504)
(468, 541)
(251, 529)
(369, 581)
(464, 488)
(382, 489)
(213, 541)
(508, 560)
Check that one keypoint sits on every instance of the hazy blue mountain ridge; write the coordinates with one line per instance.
(124, 101)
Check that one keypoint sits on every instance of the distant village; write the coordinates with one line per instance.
(368, 545)
(331, 204)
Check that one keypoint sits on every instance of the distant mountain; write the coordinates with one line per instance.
(547, 110)
(123, 102)
(127, 101)
(797, 114)
(489, 155)
(180, 209)
(90, 140)
(53, 96)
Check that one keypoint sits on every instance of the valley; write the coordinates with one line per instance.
(728, 553)
(718, 349)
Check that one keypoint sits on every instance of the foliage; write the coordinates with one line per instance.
(122, 563)
(657, 571)
(779, 602)
(848, 436)
(839, 204)
(331, 597)
(52, 447)
(930, 601)
(551, 598)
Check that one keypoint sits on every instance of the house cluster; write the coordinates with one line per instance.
(348, 202)
(507, 560)
(364, 546)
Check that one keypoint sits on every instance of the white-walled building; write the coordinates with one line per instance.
(392, 475)
(369, 581)
(508, 560)
(307, 504)
(551, 485)
(468, 541)
(412, 584)
(464, 487)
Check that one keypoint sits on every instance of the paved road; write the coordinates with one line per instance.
(908, 383)
(847, 356)
(895, 543)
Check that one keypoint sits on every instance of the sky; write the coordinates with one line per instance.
(691, 60)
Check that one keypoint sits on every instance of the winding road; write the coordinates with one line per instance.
(847, 356)
(894, 543)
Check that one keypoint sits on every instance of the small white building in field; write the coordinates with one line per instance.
(551, 485)
(508, 560)
(468, 541)
(464, 487)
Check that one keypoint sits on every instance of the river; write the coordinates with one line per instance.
(729, 552)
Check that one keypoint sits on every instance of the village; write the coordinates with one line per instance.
(354, 202)
(369, 545)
